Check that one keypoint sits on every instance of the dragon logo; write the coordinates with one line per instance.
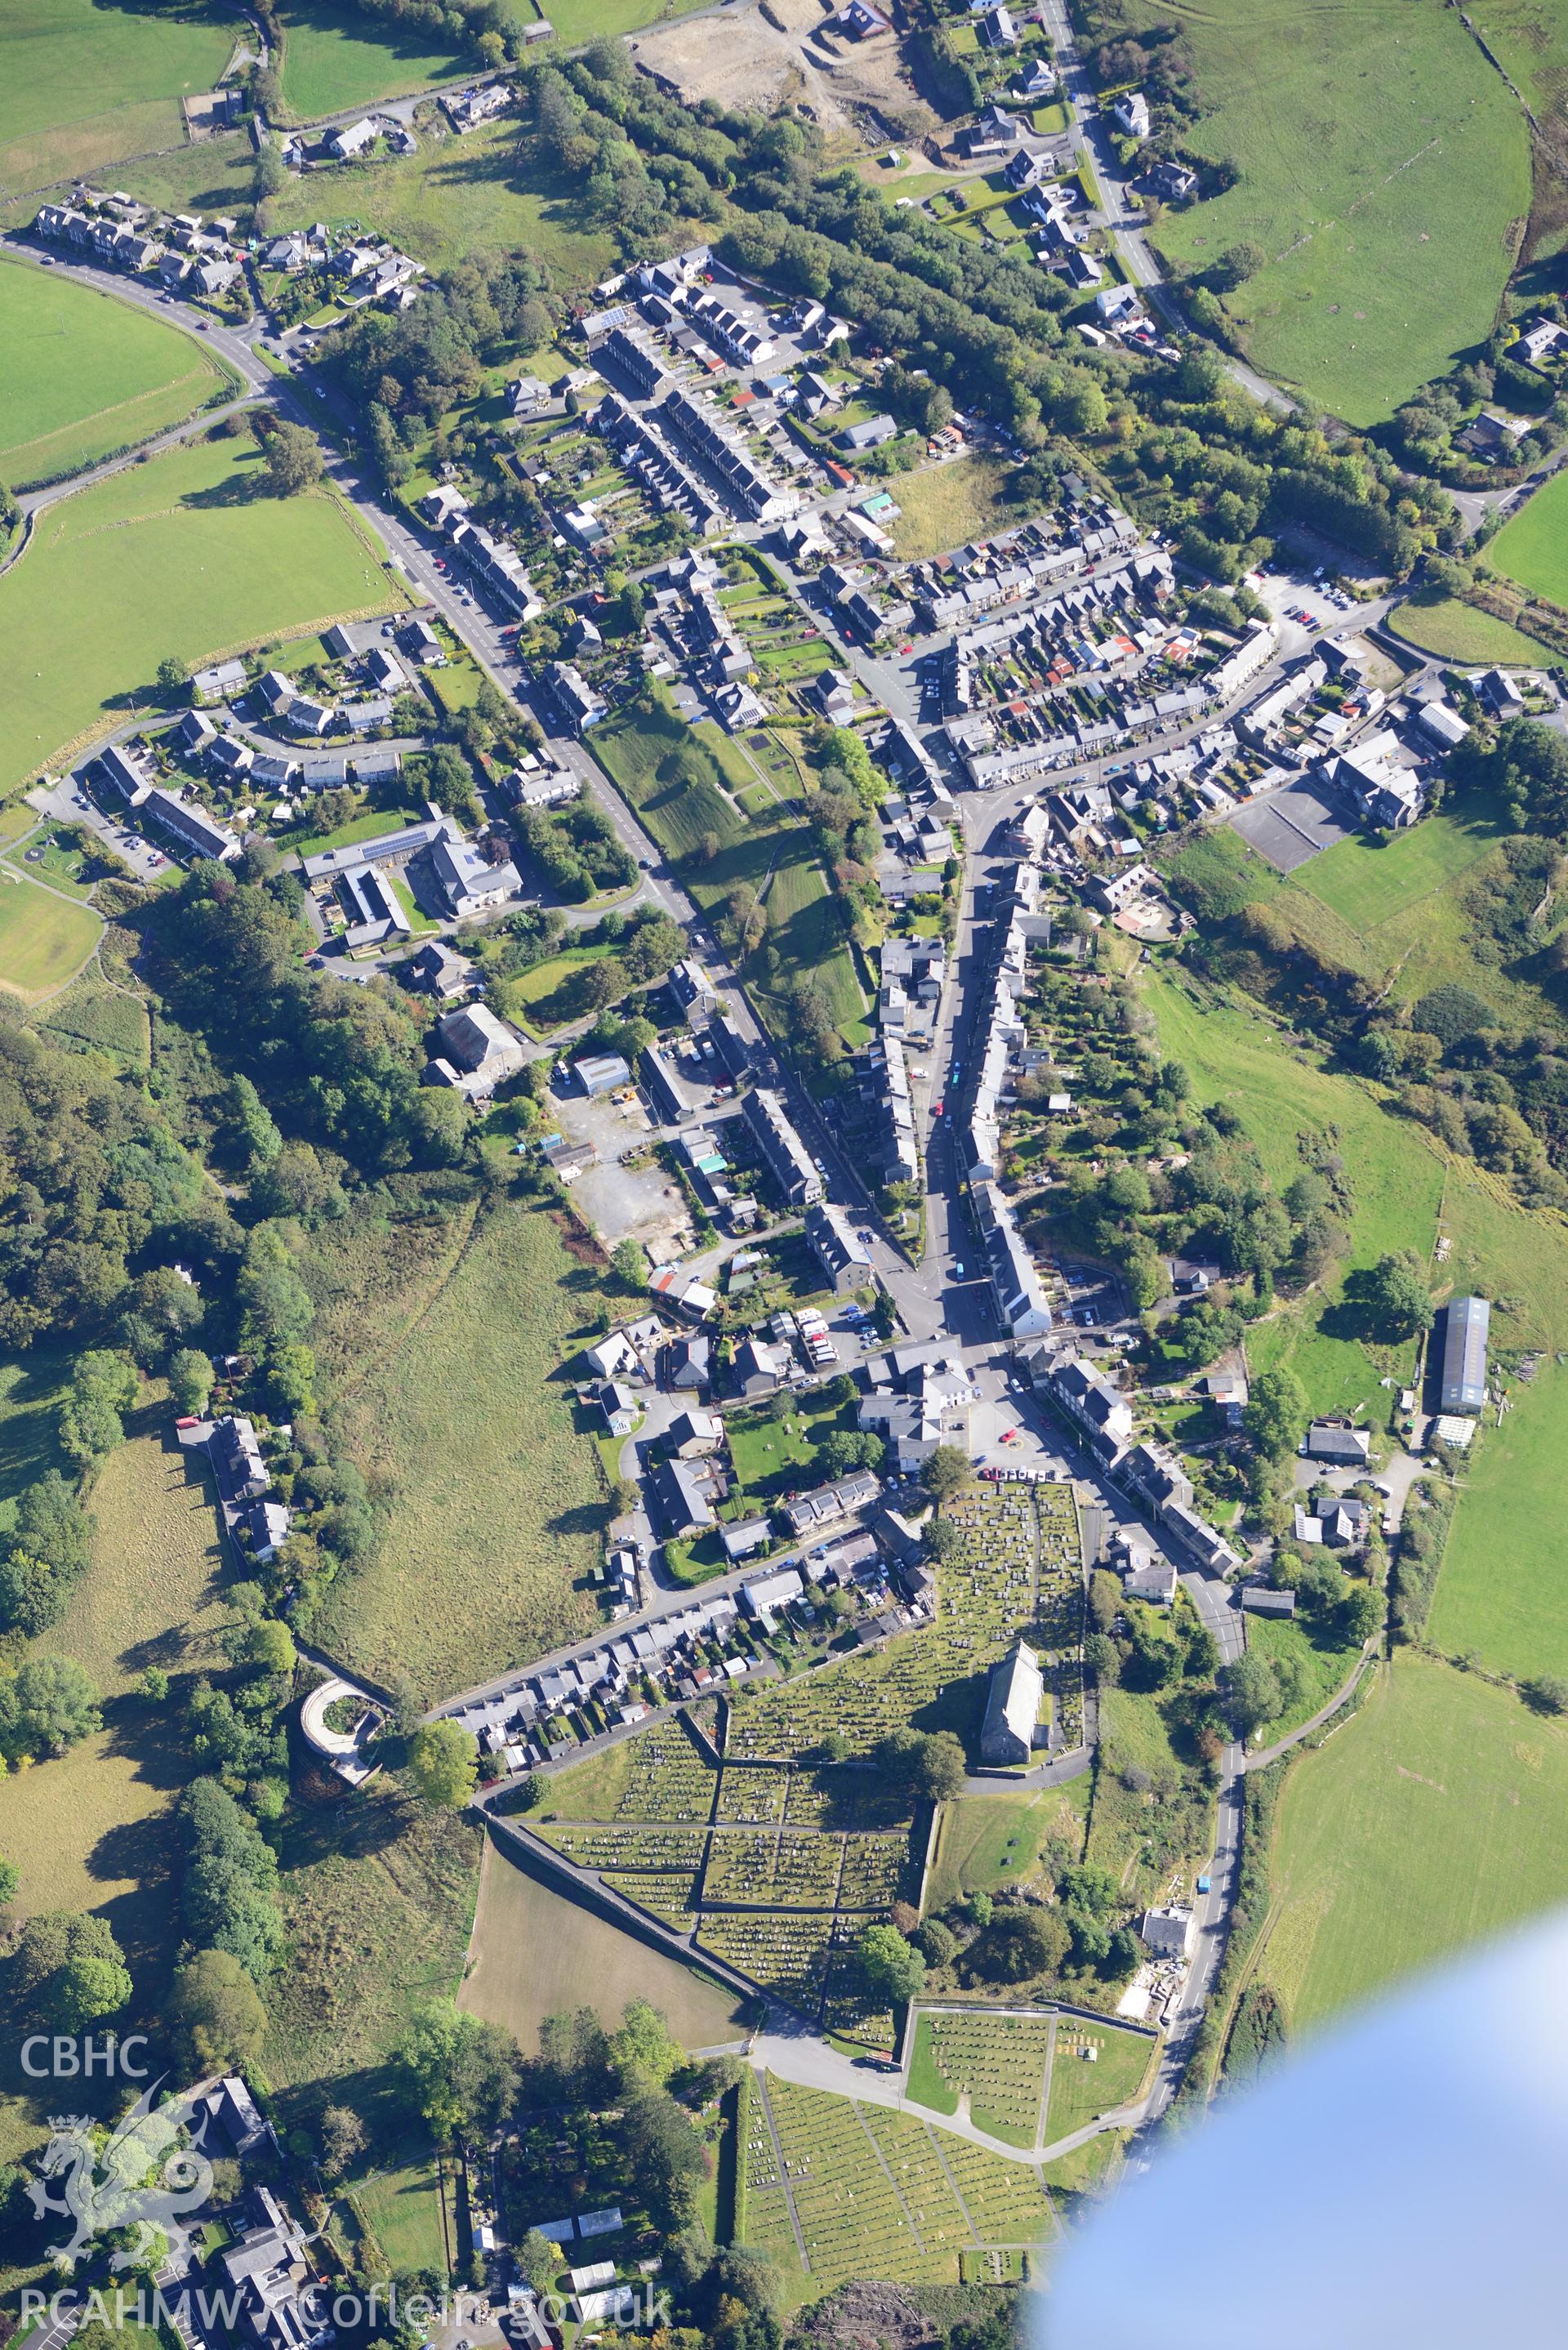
(144, 2179)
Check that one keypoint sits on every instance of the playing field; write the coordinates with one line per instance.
(178, 556)
(45, 939)
(457, 196)
(1457, 632)
(84, 84)
(1533, 546)
(1279, 1092)
(496, 1521)
(534, 1952)
(1432, 1818)
(1369, 882)
(1384, 170)
(86, 374)
(336, 57)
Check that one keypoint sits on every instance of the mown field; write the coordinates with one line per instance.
(1431, 1818)
(86, 374)
(1240, 1058)
(1369, 882)
(1082, 2087)
(178, 556)
(577, 21)
(943, 507)
(404, 2207)
(1533, 546)
(682, 781)
(534, 1952)
(457, 196)
(84, 85)
(44, 938)
(495, 1518)
(335, 58)
(1384, 170)
(1457, 632)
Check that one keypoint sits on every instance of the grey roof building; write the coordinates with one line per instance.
(1012, 1708)
(1462, 1385)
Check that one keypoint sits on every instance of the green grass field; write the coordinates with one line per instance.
(1081, 2089)
(943, 507)
(1240, 1058)
(1529, 41)
(577, 21)
(535, 1952)
(84, 85)
(1370, 882)
(404, 2207)
(86, 374)
(1431, 1818)
(1533, 546)
(1457, 632)
(1502, 1590)
(1324, 1666)
(457, 196)
(1385, 169)
(44, 938)
(32, 1388)
(335, 58)
(998, 2062)
(679, 779)
(217, 176)
(496, 1520)
(990, 1844)
(178, 557)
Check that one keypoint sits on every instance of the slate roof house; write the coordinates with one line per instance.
(1012, 1708)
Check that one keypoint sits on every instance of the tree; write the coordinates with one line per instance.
(342, 2137)
(90, 1987)
(1397, 1301)
(217, 2014)
(1276, 1415)
(1546, 1692)
(1361, 1614)
(630, 1265)
(443, 1762)
(945, 1471)
(50, 1706)
(191, 1381)
(1016, 1945)
(1251, 1693)
(919, 1762)
(173, 676)
(539, 2261)
(10, 1879)
(59, 1960)
(936, 1942)
(891, 1967)
(292, 460)
(1104, 1659)
(461, 2073)
(103, 1387)
(643, 2048)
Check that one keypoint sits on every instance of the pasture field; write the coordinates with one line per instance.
(178, 556)
(1368, 883)
(1384, 170)
(496, 1521)
(943, 506)
(1533, 544)
(1082, 2088)
(1457, 632)
(988, 1843)
(1530, 40)
(84, 85)
(45, 939)
(457, 196)
(91, 1830)
(334, 58)
(1279, 1092)
(577, 21)
(1503, 1589)
(1433, 1817)
(673, 776)
(86, 375)
(218, 175)
(377, 1895)
(534, 1952)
